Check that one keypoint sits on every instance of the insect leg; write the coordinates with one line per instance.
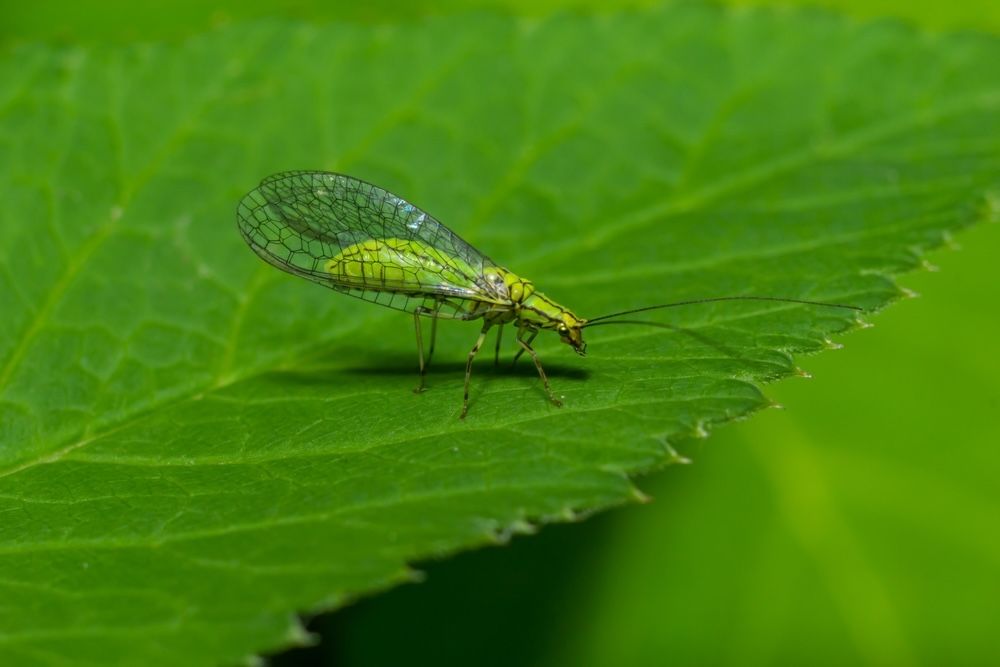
(420, 349)
(434, 329)
(521, 351)
(433, 313)
(526, 347)
(468, 367)
(496, 357)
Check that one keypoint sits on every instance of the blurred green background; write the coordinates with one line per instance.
(123, 20)
(861, 525)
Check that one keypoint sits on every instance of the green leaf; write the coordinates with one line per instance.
(194, 446)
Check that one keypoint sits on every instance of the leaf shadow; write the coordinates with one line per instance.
(400, 365)
(397, 364)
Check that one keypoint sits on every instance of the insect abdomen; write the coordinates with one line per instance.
(396, 265)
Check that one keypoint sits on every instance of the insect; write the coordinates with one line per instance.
(356, 238)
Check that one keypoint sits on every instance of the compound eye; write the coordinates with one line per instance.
(562, 329)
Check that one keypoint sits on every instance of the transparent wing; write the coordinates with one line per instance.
(298, 221)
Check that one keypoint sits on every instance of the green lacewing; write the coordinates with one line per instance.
(361, 240)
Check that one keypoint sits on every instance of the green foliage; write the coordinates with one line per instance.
(194, 446)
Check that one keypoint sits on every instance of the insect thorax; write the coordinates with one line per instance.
(533, 308)
(507, 285)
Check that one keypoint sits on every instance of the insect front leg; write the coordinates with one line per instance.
(468, 368)
(526, 347)
(521, 351)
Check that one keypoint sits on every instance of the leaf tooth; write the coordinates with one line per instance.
(517, 527)
(948, 240)
(700, 431)
(568, 514)
(991, 204)
(638, 496)
(675, 457)
(501, 534)
(297, 635)
(829, 344)
(412, 575)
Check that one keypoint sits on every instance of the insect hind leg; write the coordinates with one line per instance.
(417, 313)
(468, 368)
(434, 331)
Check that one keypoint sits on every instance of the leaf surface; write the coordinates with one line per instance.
(193, 446)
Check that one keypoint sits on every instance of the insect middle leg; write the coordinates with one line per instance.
(526, 347)
(417, 312)
(496, 356)
(468, 368)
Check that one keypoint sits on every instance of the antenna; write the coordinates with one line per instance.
(603, 318)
